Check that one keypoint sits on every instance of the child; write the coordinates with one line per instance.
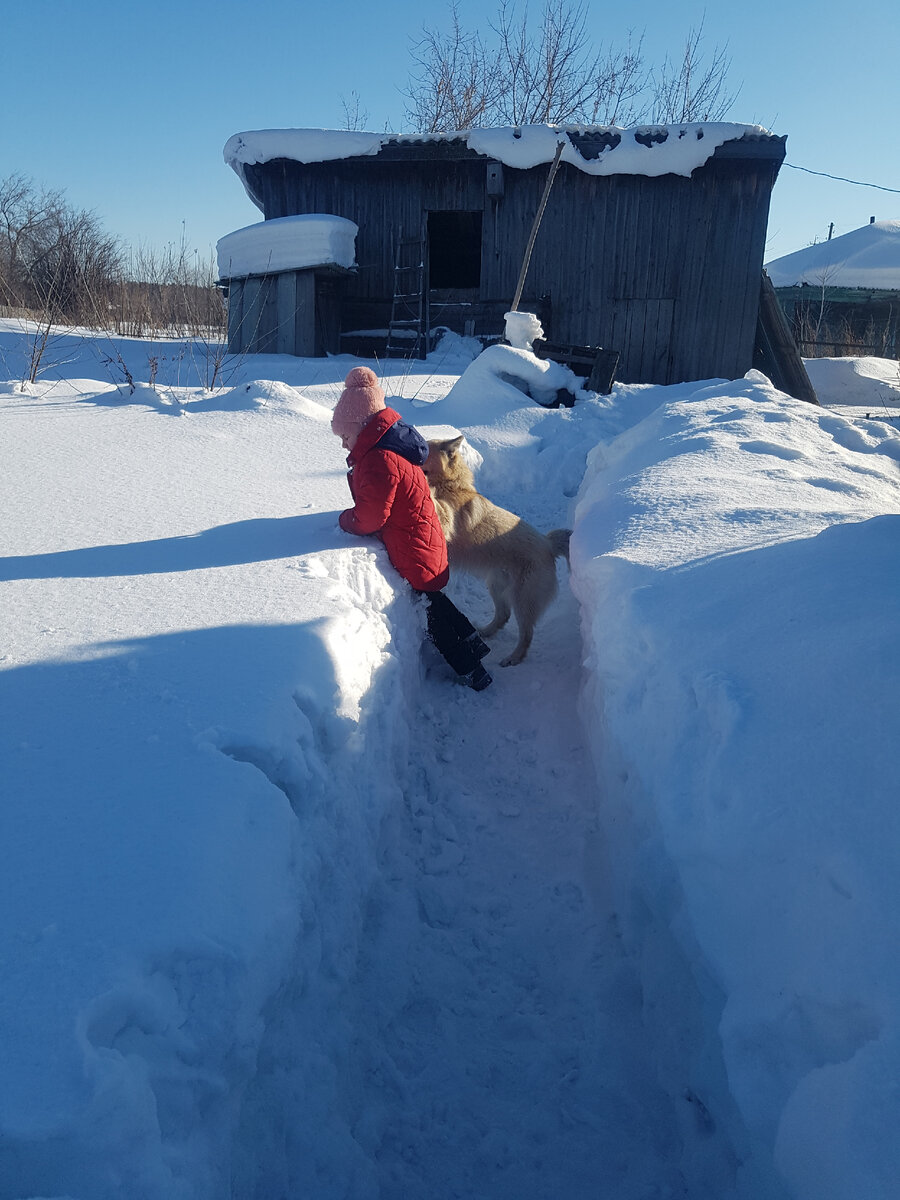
(391, 498)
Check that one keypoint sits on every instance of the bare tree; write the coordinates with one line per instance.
(77, 269)
(551, 74)
(622, 79)
(355, 116)
(454, 79)
(30, 219)
(51, 254)
(693, 89)
(59, 266)
(547, 70)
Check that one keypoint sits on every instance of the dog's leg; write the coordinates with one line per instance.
(499, 586)
(532, 594)
(513, 660)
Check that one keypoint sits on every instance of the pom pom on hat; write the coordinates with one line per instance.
(360, 399)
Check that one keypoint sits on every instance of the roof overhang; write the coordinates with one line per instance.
(649, 150)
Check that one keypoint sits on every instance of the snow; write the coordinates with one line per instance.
(861, 387)
(673, 149)
(728, 587)
(521, 328)
(488, 395)
(864, 258)
(289, 913)
(287, 244)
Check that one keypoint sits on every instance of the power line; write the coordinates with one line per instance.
(841, 179)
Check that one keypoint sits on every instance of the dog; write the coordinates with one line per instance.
(516, 561)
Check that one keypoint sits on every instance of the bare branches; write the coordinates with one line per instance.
(50, 253)
(60, 266)
(693, 89)
(545, 69)
(552, 74)
(620, 82)
(355, 116)
(453, 84)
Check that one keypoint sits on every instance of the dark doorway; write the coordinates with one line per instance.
(454, 249)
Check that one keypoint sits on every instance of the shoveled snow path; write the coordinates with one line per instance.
(503, 1041)
(486, 1042)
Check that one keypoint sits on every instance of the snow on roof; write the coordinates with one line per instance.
(287, 244)
(595, 149)
(866, 258)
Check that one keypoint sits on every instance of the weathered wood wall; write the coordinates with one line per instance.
(291, 312)
(666, 270)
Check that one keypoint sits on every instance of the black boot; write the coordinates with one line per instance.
(475, 643)
(477, 680)
(457, 639)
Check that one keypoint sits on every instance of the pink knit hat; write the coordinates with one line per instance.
(360, 399)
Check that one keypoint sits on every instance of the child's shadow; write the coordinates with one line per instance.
(222, 546)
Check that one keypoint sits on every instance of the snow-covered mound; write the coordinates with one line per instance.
(866, 385)
(287, 913)
(287, 244)
(866, 258)
(489, 392)
(726, 552)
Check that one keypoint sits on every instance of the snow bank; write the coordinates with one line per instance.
(189, 644)
(728, 552)
(869, 385)
(287, 244)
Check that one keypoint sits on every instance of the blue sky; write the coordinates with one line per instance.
(127, 107)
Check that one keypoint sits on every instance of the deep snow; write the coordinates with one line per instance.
(868, 257)
(287, 244)
(288, 913)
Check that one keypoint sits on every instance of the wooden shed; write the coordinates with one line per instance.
(652, 240)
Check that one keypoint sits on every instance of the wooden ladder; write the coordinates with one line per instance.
(408, 332)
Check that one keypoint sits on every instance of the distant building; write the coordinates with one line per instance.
(842, 296)
(652, 241)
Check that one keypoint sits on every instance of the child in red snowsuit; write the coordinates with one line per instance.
(391, 499)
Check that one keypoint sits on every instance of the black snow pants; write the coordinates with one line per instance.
(453, 633)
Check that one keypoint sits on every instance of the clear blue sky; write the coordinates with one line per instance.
(127, 107)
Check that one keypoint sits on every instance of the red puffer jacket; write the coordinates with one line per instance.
(391, 498)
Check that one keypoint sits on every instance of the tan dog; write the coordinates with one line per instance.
(516, 562)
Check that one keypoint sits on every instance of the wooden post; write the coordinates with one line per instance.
(534, 228)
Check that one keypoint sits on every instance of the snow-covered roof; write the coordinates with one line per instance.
(287, 244)
(595, 149)
(865, 258)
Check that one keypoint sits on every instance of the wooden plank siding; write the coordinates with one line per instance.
(665, 270)
(290, 312)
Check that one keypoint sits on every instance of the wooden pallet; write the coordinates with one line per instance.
(598, 364)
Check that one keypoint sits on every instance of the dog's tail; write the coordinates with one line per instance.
(559, 542)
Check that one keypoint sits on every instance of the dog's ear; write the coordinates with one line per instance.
(452, 447)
